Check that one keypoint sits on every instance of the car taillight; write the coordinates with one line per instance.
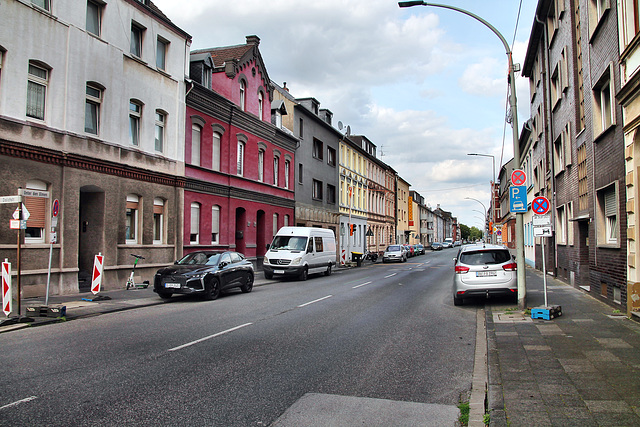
(510, 267)
(461, 269)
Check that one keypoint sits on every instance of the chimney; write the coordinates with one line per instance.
(284, 86)
(253, 40)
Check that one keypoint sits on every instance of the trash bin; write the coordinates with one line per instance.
(357, 257)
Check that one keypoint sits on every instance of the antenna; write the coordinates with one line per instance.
(381, 150)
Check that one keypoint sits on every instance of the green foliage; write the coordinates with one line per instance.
(486, 419)
(464, 413)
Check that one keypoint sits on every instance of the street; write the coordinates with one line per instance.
(382, 331)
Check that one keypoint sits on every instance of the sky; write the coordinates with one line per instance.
(427, 85)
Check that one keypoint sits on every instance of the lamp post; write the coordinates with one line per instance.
(513, 105)
(483, 213)
(493, 197)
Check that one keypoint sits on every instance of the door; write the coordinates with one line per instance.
(90, 233)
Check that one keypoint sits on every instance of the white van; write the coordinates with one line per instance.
(300, 251)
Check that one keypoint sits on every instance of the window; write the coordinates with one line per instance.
(275, 224)
(159, 139)
(37, 91)
(331, 194)
(276, 170)
(131, 223)
(301, 129)
(43, 4)
(562, 150)
(286, 221)
(136, 40)
(135, 111)
(331, 156)
(194, 235)
(196, 132)
(570, 223)
(287, 169)
(37, 207)
(260, 105)
(215, 224)
(317, 149)
(317, 190)
(215, 151)
(300, 173)
(158, 221)
(556, 91)
(240, 159)
(261, 165)
(597, 9)
(607, 215)
(561, 235)
(92, 109)
(243, 95)
(94, 17)
(161, 54)
(602, 105)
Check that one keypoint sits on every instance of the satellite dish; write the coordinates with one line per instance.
(340, 125)
(348, 132)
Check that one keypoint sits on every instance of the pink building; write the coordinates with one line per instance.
(238, 166)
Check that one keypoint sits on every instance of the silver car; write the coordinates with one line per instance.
(483, 270)
(394, 253)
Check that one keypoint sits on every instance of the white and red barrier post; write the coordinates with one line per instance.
(96, 277)
(7, 294)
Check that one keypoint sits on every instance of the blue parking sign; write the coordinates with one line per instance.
(518, 198)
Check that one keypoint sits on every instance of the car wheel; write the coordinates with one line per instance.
(212, 290)
(248, 286)
(268, 275)
(305, 274)
(165, 295)
(457, 301)
(328, 272)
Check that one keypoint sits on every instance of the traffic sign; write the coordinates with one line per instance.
(25, 213)
(540, 205)
(518, 177)
(33, 193)
(517, 199)
(55, 208)
(541, 220)
(542, 231)
(10, 199)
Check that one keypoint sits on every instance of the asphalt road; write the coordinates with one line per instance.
(384, 337)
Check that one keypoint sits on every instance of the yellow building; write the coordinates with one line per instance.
(402, 202)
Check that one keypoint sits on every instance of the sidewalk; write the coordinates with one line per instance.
(579, 369)
(77, 305)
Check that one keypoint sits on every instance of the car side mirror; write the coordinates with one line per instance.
(268, 246)
(222, 264)
(175, 262)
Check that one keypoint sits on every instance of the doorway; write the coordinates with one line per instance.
(90, 233)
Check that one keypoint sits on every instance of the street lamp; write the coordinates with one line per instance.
(484, 213)
(513, 104)
(493, 196)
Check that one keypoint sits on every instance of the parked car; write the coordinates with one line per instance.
(457, 243)
(409, 249)
(207, 273)
(482, 271)
(419, 249)
(447, 243)
(394, 253)
(436, 246)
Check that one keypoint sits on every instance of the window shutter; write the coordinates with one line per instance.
(158, 209)
(195, 219)
(610, 203)
(37, 207)
(215, 220)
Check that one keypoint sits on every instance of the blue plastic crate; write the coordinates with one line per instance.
(546, 313)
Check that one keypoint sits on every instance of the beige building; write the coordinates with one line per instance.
(402, 202)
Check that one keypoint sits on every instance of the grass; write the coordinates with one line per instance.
(464, 413)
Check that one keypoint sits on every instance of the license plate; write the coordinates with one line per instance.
(278, 271)
(485, 273)
(172, 285)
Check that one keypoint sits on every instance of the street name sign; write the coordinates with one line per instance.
(33, 193)
(10, 199)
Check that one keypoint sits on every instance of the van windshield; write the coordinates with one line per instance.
(292, 243)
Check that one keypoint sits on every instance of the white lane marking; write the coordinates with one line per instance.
(357, 286)
(391, 275)
(209, 337)
(314, 301)
(17, 402)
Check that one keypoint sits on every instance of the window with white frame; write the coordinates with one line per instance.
(92, 109)
(215, 151)
(261, 165)
(561, 234)
(137, 33)
(276, 170)
(240, 159)
(243, 95)
(287, 171)
(607, 215)
(161, 119)
(135, 112)
(158, 221)
(43, 4)
(215, 224)
(94, 17)
(38, 81)
(331, 156)
(162, 46)
(286, 221)
(275, 224)
(37, 207)
(196, 142)
(194, 235)
(602, 104)
(570, 223)
(132, 219)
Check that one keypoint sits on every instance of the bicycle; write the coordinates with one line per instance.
(131, 283)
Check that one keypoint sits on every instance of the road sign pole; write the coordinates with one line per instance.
(544, 273)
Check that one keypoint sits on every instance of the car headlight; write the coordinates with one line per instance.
(296, 261)
(266, 260)
(198, 276)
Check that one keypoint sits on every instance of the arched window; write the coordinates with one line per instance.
(260, 104)
(196, 142)
(37, 207)
(243, 95)
(215, 151)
